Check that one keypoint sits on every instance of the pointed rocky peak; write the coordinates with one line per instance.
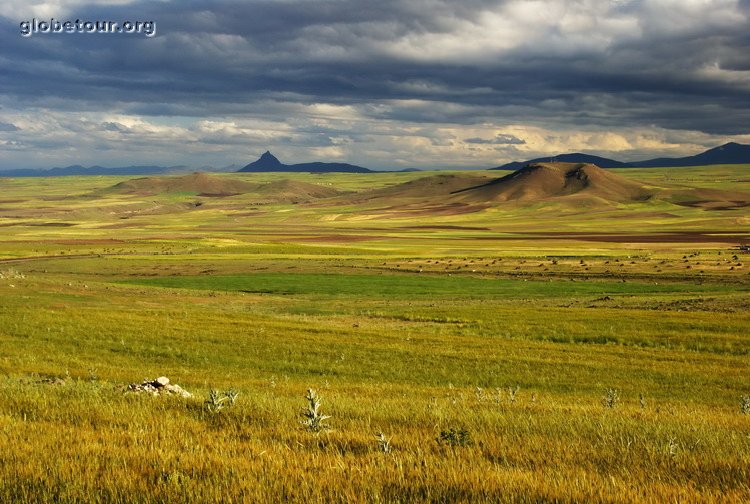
(266, 162)
(270, 159)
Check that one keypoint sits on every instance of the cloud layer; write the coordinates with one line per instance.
(384, 84)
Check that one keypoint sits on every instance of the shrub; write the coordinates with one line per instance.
(313, 418)
(745, 405)
(455, 437)
(512, 393)
(384, 443)
(217, 401)
(611, 398)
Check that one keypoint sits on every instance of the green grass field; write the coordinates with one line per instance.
(538, 353)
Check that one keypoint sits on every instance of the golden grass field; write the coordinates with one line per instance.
(567, 349)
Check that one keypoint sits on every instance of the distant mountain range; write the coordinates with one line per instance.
(269, 163)
(575, 157)
(91, 170)
(730, 153)
(101, 170)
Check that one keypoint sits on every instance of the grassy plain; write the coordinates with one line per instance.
(410, 318)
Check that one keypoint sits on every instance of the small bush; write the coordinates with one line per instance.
(745, 405)
(455, 437)
(611, 398)
(672, 447)
(512, 393)
(219, 400)
(384, 443)
(313, 418)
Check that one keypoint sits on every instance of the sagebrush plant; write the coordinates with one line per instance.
(498, 396)
(455, 437)
(611, 398)
(384, 443)
(512, 392)
(479, 393)
(672, 447)
(219, 400)
(313, 418)
(745, 404)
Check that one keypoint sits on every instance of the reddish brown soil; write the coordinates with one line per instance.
(677, 237)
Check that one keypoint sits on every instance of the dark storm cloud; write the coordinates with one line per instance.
(633, 63)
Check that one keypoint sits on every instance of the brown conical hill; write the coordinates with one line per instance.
(194, 183)
(546, 181)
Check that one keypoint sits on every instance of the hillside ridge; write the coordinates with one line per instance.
(729, 153)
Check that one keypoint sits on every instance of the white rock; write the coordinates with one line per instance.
(177, 390)
(161, 381)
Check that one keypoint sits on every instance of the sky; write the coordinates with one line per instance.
(389, 84)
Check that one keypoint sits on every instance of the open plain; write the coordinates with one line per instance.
(560, 334)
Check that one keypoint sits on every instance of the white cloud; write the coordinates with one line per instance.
(23, 10)
(667, 18)
(539, 26)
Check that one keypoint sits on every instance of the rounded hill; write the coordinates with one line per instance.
(545, 181)
(194, 183)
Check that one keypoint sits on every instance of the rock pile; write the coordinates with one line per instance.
(11, 274)
(158, 387)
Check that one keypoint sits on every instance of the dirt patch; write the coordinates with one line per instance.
(709, 199)
(716, 205)
(218, 195)
(52, 224)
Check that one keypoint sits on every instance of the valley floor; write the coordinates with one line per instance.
(503, 357)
